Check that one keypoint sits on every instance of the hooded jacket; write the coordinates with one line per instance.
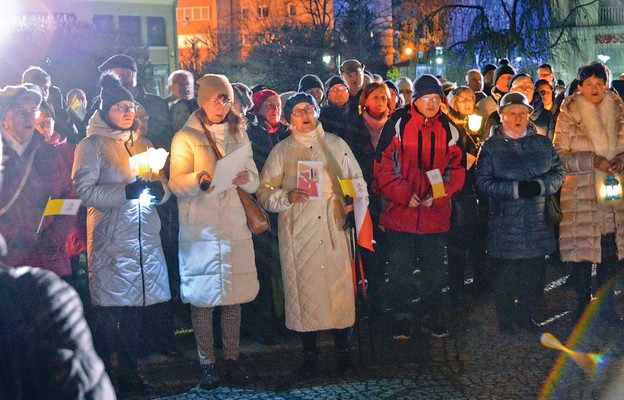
(410, 145)
(126, 261)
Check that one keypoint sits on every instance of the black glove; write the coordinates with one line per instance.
(134, 189)
(156, 189)
(528, 189)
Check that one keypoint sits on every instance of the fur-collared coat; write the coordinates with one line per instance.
(584, 130)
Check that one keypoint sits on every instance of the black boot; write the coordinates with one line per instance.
(234, 374)
(209, 379)
(344, 363)
(307, 370)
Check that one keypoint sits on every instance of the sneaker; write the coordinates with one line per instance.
(436, 327)
(402, 329)
(209, 379)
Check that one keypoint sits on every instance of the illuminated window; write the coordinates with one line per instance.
(263, 12)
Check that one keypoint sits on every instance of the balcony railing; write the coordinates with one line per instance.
(611, 16)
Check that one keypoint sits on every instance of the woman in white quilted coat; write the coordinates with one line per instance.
(127, 269)
(314, 248)
(217, 263)
(589, 138)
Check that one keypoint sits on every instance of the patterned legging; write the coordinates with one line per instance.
(204, 335)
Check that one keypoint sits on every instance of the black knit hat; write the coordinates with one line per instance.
(112, 92)
(487, 68)
(503, 70)
(333, 81)
(310, 81)
(426, 84)
(517, 76)
(392, 86)
(296, 99)
(119, 61)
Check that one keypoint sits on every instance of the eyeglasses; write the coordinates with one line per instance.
(122, 108)
(25, 113)
(46, 122)
(523, 87)
(427, 100)
(300, 111)
(337, 88)
(222, 103)
(464, 100)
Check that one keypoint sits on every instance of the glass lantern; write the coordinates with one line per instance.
(611, 188)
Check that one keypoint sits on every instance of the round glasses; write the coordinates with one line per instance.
(122, 108)
(26, 113)
(300, 111)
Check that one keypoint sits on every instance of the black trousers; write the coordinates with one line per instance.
(340, 336)
(517, 280)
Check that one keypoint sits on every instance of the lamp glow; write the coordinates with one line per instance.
(408, 51)
(611, 188)
(326, 59)
(439, 60)
(474, 122)
(603, 58)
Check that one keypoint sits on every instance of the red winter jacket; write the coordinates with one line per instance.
(410, 146)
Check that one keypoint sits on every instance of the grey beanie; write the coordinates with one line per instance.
(426, 84)
(308, 82)
(243, 94)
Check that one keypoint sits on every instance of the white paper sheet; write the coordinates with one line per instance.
(228, 167)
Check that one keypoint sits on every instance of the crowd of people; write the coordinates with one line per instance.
(475, 171)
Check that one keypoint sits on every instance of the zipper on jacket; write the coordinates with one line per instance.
(141, 253)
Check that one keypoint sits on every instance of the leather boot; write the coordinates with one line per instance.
(344, 363)
(209, 379)
(307, 369)
(234, 374)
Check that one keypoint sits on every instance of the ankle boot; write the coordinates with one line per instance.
(344, 363)
(209, 379)
(307, 369)
(234, 374)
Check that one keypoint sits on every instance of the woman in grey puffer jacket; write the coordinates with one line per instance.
(518, 169)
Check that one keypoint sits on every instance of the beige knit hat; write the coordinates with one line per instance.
(210, 85)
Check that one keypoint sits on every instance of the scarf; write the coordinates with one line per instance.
(375, 125)
(97, 126)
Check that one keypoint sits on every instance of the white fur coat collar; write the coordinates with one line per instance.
(601, 123)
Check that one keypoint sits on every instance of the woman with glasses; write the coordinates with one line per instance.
(126, 263)
(34, 171)
(335, 113)
(314, 248)
(216, 251)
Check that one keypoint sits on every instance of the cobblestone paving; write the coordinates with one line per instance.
(474, 362)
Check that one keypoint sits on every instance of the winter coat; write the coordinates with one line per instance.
(314, 248)
(125, 257)
(577, 139)
(46, 349)
(262, 140)
(335, 120)
(50, 177)
(410, 145)
(518, 227)
(217, 262)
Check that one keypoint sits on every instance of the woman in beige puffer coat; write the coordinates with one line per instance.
(589, 138)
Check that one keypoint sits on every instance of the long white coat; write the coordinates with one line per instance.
(314, 249)
(217, 263)
(126, 261)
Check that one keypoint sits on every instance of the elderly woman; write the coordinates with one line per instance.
(216, 251)
(517, 169)
(127, 270)
(589, 138)
(34, 172)
(314, 249)
(466, 242)
(335, 113)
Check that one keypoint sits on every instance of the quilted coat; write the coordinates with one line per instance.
(126, 261)
(517, 227)
(314, 249)
(583, 130)
(217, 262)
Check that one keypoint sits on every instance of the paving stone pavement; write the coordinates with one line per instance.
(474, 362)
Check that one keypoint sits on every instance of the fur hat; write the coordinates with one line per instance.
(296, 99)
(426, 84)
(243, 95)
(112, 92)
(260, 97)
(119, 61)
(308, 82)
(9, 95)
(514, 99)
(210, 85)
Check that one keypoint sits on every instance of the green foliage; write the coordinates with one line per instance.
(393, 74)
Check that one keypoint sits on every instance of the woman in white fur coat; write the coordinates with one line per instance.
(589, 138)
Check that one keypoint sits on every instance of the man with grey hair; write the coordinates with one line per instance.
(181, 85)
(474, 80)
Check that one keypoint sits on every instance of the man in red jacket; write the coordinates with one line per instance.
(417, 139)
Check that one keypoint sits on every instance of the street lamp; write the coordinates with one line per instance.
(439, 60)
(326, 59)
(409, 51)
(603, 58)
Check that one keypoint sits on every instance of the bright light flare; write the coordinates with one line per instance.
(409, 51)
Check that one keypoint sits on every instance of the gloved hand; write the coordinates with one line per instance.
(134, 189)
(156, 189)
(528, 189)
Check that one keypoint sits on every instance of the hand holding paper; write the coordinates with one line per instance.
(437, 184)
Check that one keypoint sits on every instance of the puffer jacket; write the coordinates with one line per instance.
(583, 130)
(314, 249)
(126, 261)
(216, 255)
(410, 145)
(517, 227)
(46, 349)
